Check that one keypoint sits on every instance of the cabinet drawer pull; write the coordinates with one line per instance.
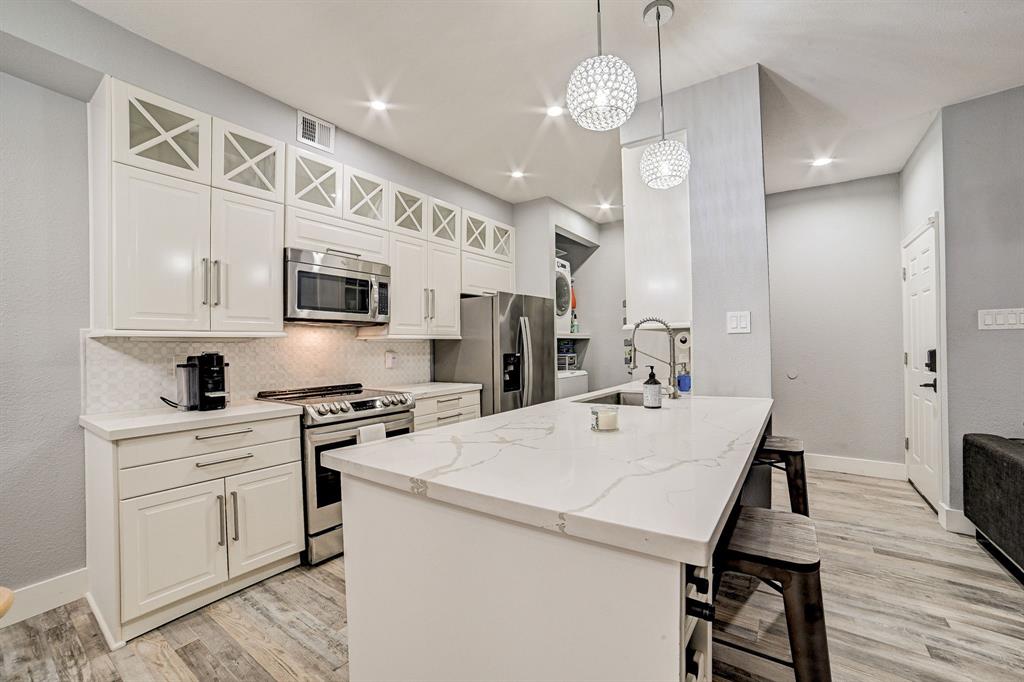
(449, 400)
(488, 293)
(451, 416)
(222, 435)
(222, 513)
(351, 254)
(234, 506)
(200, 465)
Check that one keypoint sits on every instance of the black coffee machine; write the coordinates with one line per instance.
(212, 372)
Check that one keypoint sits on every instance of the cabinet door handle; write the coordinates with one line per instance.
(450, 416)
(216, 282)
(488, 293)
(206, 281)
(351, 254)
(234, 506)
(433, 303)
(449, 400)
(222, 512)
(200, 465)
(426, 303)
(222, 435)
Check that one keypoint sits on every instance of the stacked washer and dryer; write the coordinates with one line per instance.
(568, 382)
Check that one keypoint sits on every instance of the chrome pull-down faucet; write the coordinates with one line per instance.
(673, 388)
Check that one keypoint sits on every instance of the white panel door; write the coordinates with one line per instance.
(923, 406)
(365, 198)
(247, 162)
(485, 275)
(161, 251)
(408, 212)
(445, 284)
(264, 516)
(159, 134)
(410, 292)
(246, 246)
(476, 233)
(445, 223)
(313, 182)
(173, 544)
(316, 232)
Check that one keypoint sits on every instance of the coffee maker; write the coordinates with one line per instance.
(202, 382)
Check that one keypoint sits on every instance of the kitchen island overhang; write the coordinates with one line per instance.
(525, 546)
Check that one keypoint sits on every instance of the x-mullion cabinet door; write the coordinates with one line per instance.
(366, 198)
(314, 182)
(503, 241)
(476, 233)
(247, 162)
(160, 135)
(445, 223)
(407, 212)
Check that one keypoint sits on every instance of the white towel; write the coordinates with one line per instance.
(368, 434)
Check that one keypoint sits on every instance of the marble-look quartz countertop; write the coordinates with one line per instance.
(662, 484)
(432, 389)
(121, 425)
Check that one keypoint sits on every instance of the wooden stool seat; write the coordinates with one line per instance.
(6, 601)
(789, 452)
(781, 549)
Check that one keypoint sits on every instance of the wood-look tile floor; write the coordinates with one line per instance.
(905, 600)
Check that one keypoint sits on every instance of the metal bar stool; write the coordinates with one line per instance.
(781, 549)
(789, 453)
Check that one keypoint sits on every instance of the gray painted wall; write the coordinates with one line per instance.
(73, 32)
(44, 301)
(983, 152)
(728, 234)
(600, 288)
(834, 253)
(921, 181)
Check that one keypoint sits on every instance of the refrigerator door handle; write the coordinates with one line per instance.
(527, 361)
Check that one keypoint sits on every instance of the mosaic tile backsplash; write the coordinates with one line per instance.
(130, 374)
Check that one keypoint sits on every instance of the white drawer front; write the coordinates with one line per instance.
(445, 403)
(178, 472)
(315, 232)
(448, 417)
(150, 449)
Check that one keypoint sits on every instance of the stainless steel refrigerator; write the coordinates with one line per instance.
(508, 345)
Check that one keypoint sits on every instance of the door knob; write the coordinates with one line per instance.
(933, 384)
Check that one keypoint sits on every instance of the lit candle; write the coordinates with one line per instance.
(604, 418)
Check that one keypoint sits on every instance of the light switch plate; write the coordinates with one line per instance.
(737, 322)
(1001, 318)
(390, 357)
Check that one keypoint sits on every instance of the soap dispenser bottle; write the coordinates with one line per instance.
(652, 390)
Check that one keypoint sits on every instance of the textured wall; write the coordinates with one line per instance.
(128, 374)
(44, 300)
(834, 254)
(983, 160)
(728, 236)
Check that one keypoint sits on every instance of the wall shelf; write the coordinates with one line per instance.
(656, 327)
(585, 337)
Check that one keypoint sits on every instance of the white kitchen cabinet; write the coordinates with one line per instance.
(444, 224)
(247, 239)
(317, 232)
(408, 212)
(476, 233)
(173, 544)
(247, 162)
(485, 275)
(161, 251)
(444, 280)
(313, 182)
(503, 241)
(264, 511)
(410, 292)
(158, 134)
(365, 198)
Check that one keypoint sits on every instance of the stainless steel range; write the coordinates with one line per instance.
(333, 417)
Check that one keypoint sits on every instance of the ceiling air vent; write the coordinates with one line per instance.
(316, 132)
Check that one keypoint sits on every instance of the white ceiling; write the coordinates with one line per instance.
(469, 81)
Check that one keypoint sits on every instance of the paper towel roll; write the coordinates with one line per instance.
(368, 434)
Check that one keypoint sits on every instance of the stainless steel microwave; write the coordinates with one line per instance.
(324, 287)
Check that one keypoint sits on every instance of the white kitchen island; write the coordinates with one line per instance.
(524, 546)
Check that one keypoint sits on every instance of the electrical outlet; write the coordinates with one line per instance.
(737, 322)
(390, 358)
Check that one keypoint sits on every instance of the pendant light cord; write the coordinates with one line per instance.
(661, 86)
(598, 28)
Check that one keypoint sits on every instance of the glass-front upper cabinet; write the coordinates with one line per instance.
(408, 212)
(247, 162)
(476, 233)
(503, 241)
(365, 198)
(160, 135)
(444, 222)
(313, 182)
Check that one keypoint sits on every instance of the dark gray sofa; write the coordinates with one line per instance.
(994, 492)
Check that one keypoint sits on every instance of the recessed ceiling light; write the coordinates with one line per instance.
(517, 174)
(823, 161)
(605, 207)
(378, 105)
(554, 110)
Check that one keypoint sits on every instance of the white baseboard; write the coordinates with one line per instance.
(954, 520)
(32, 600)
(896, 471)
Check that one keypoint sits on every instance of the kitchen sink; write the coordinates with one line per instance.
(617, 398)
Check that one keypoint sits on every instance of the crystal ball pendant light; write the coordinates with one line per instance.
(602, 90)
(665, 163)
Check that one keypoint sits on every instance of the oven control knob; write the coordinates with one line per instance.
(390, 400)
(335, 408)
(402, 399)
(378, 403)
(322, 409)
(345, 407)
